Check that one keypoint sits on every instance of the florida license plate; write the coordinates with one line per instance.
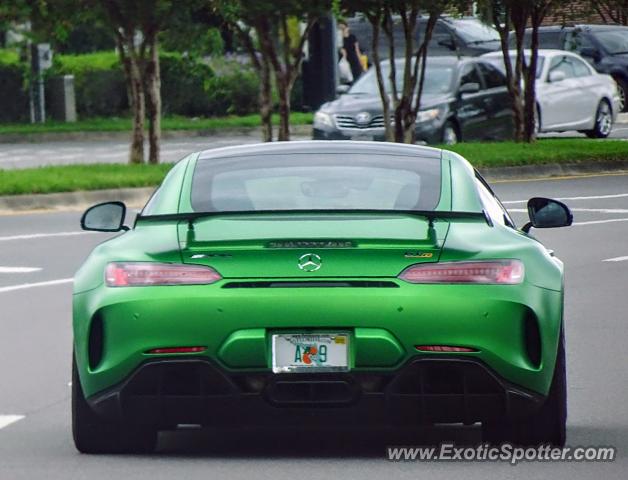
(318, 352)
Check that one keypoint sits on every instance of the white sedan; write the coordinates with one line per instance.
(570, 94)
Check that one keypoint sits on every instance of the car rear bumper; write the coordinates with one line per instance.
(170, 392)
(511, 329)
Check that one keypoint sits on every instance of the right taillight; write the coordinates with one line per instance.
(497, 272)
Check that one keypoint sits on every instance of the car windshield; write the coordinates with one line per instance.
(316, 181)
(474, 31)
(614, 41)
(438, 79)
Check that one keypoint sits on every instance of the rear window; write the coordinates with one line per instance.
(319, 181)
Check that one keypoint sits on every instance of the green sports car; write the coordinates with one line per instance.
(321, 283)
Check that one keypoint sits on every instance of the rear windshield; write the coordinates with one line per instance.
(321, 181)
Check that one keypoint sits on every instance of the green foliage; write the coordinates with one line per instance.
(234, 92)
(184, 84)
(99, 83)
(9, 56)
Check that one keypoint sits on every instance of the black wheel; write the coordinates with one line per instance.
(603, 121)
(93, 435)
(449, 134)
(622, 88)
(547, 425)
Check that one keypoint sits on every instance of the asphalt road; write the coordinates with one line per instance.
(35, 348)
(25, 155)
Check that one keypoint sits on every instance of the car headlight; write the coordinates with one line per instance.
(323, 119)
(427, 115)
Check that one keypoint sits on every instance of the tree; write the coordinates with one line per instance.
(611, 11)
(404, 98)
(136, 25)
(517, 15)
(274, 35)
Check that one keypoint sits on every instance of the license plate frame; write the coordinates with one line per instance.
(337, 345)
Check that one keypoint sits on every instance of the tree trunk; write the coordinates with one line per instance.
(283, 91)
(135, 92)
(138, 108)
(153, 86)
(266, 102)
(375, 21)
(529, 132)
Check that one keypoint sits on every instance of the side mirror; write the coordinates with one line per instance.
(469, 88)
(590, 52)
(342, 89)
(447, 43)
(105, 217)
(547, 213)
(556, 76)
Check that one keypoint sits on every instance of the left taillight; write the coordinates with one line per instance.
(497, 272)
(139, 274)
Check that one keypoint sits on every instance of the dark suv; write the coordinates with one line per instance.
(466, 36)
(605, 47)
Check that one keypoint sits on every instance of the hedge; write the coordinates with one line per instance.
(189, 87)
(15, 102)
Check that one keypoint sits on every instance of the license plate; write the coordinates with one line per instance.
(317, 352)
(363, 138)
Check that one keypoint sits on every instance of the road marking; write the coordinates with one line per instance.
(6, 420)
(41, 235)
(619, 173)
(616, 259)
(19, 269)
(596, 222)
(24, 286)
(593, 197)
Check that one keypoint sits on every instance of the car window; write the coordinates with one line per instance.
(580, 68)
(614, 41)
(491, 203)
(493, 78)
(498, 62)
(563, 64)
(303, 181)
(575, 41)
(470, 74)
(438, 79)
(473, 31)
(546, 39)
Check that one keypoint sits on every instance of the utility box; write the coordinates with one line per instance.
(61, 98)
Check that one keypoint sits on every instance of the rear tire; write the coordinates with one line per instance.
(93, 435)
(547, 425)
(603, 121)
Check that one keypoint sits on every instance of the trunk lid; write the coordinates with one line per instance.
(340, 245)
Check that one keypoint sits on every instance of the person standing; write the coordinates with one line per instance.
(351, 50)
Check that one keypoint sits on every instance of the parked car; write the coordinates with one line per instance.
(571, 95)
(463, 99)
(319, 284)
(605, 47)
(466, 36)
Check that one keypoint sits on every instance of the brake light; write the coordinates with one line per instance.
(138, 274)
(443, 348)
(502, 272)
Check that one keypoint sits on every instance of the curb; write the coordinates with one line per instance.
(137, 197)
(125, 135)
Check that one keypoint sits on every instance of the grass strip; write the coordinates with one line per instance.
(168, 123)
(69, 178)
